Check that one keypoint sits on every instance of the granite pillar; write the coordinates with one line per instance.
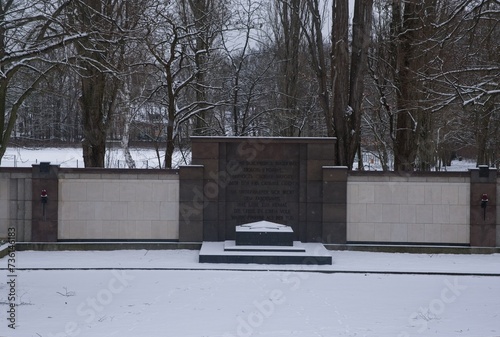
(192, 203)
(44, 226)
(483, 219)
(335, 204)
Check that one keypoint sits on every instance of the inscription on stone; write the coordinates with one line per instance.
(265, 190)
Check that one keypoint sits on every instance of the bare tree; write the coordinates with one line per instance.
(246, 72)
(206, 19)
(379, 116)
(168, 40)
(50, 113)
(471, 78)
(432, 79)
(99, 60)
(132, 74)
(287, 30)
(29, 31)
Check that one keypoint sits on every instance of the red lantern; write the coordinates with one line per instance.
(44, 196)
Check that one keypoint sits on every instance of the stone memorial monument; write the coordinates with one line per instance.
(238, 180)
(264, 242)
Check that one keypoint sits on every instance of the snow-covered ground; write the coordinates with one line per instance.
(72, 157)
(168, 293)
(144, 158)
(372, 163)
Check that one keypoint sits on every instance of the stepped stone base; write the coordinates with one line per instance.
(299, 253)
(264, 242)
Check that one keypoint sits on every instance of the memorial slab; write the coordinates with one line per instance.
(264, 233)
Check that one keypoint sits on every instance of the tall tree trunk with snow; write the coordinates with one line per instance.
(171, 116)
(361, 26)
(340, 79)
(288, 55)
(101, 61)
(319, 64)
(93, 116)
(405, 77)
(171, 96)
(125, 144)
(201, 10)
(98, 94)
(412, 52)
(127, 117)
(347, 82)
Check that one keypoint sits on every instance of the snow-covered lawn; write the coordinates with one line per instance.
(72, 157)
(143, 157)
(168, 293)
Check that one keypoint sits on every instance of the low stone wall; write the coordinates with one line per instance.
(89, 204)
(233, 181)
(392, 208)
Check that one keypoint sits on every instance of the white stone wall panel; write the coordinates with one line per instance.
(121, 208)
(408, 210)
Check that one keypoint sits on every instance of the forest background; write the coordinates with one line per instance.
(414, 82)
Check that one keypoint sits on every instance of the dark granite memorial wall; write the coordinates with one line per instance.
(252, 179)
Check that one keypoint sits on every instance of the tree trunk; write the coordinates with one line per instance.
(348, 82)
(93, 153)
(288, 51)
(319, 64)
(5, 119)
(94, 142)
(201, 13)
(124, 143)
(93, 82)
(171, 115)
(127, 118)
(340, 78)
(426, 146)
(483, 117)
(359, 58)
(404, 36)
(170, 147)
